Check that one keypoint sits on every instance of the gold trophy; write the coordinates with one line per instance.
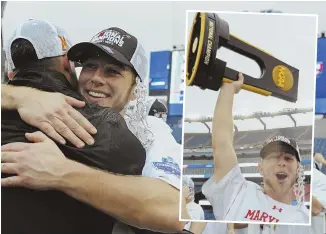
(208, 34)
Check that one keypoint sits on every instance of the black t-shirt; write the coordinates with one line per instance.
(116, 150)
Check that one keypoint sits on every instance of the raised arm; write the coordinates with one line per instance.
(222, 133)
(52, 113)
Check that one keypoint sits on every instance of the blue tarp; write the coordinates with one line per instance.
(321, 77)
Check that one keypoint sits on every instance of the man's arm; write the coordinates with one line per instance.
(233, 226)
(184, 211)
(240, 225)
(142, 202)
(12, 96)
(138, 201)
(165, 148)
(231, 229)
(197, 227)
(316, 206)
(222, 133)
(320, 158)
(52, 113)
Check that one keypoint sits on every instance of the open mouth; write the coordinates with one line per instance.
(97, 94)
(281, 176)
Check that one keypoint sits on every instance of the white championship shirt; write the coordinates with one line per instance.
(278, 229)
(163, 160)
(215, 228)
(234, 198)
(195, 212)
(221, 228)
(319, 186)
(241, 231)
(319, 191)
(317, 222)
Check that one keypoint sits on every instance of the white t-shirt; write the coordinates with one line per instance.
(215, 228)
(319, 187)
(317, 227)
(319, 191)
(317, 222)
(235, 199)
(195, 212)
(163, 160)
(221, 228)
(277, 229)
(241, 231)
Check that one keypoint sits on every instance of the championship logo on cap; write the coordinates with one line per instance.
(110, 37)
(118, 44)
(279, 138)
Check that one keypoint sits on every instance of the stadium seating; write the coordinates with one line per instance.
(258, 136)
(197, 140)
(203, 140)
(320, 146)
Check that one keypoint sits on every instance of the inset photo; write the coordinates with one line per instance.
(249, 115)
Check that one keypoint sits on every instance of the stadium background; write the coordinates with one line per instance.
(166, 82)
(198, 159)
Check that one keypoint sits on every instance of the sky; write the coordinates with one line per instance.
(161, 25)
